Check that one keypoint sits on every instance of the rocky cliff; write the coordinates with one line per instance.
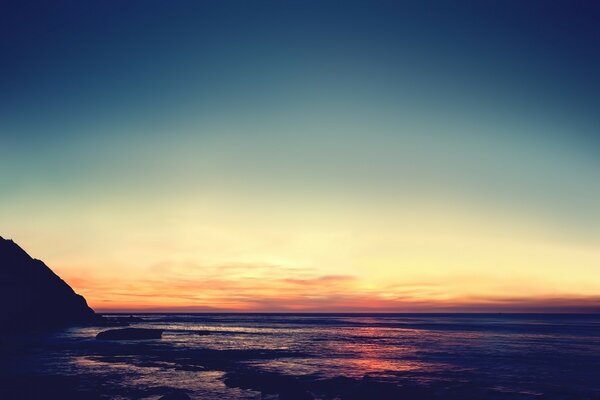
(32, 296)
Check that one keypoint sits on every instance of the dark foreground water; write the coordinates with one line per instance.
(252, 356)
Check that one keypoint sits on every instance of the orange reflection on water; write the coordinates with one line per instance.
(364, 351)
(372, 353)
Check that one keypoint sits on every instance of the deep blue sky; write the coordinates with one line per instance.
(98, 60)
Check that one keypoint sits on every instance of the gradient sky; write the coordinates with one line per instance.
(306, 155)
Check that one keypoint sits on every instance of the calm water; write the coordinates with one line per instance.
(225, 356)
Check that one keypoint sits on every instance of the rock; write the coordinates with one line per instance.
(130, 334)
(176, 396)
(34, 297)
(287, 387)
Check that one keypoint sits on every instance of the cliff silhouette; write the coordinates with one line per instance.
(32, 296)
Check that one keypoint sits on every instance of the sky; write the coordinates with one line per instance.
(306, 156)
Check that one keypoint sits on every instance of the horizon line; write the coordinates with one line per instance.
(157, 312)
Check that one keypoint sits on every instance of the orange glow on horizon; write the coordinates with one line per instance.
(227, 259)
(322, 294)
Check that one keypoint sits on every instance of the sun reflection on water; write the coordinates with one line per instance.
(195, 353)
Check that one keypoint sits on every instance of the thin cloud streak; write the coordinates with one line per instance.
(271, 288)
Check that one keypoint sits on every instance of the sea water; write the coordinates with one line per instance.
(338, 356)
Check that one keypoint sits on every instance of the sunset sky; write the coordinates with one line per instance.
(306, 155)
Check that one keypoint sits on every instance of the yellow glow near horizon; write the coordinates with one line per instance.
(242, 256)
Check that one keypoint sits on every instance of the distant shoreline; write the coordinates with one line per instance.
(433, 314)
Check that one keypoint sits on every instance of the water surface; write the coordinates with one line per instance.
(333, 356)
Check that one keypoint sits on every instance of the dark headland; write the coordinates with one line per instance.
(33, 297)
(35, 303)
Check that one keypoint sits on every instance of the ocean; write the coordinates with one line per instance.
(322, 356)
